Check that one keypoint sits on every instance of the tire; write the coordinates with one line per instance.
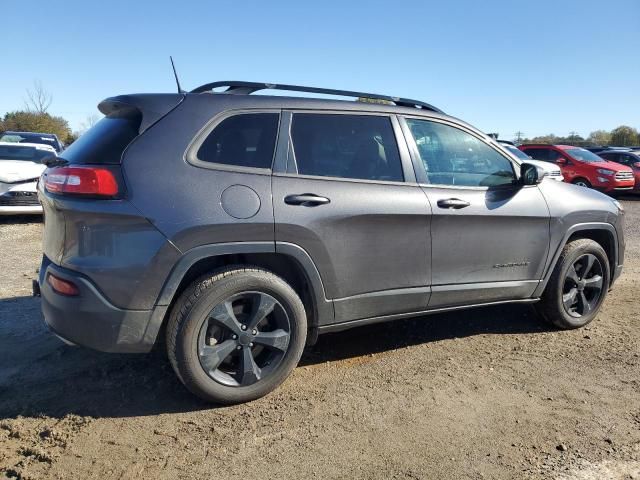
(209, 346)
(582, 182)
(574, 284)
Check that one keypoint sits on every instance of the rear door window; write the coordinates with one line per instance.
(346, 146)
(244, 140)
(538, 154)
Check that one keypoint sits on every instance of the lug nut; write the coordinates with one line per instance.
(243, 327)
(251, 344)
(254, 332)
(235, 337)
(239, 347)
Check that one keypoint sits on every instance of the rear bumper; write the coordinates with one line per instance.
(90, 320)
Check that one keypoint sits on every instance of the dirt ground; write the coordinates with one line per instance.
(487, 393)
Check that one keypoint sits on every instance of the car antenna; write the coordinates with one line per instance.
(175, 74)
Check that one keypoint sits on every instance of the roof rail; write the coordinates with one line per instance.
(247, 88)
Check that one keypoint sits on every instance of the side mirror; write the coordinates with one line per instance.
(561, 161)
(531, 174)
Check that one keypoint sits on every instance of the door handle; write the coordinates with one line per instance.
(453, 203)
(306, 200)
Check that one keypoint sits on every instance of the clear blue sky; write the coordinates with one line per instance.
(538, 66)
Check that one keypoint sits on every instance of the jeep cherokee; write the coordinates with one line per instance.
(234, 228)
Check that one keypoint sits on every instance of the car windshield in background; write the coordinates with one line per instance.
(27, 154)
(28, 138)
(517, 152)
(583, 155)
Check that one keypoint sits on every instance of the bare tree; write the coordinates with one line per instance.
(89, 122)
(38, 99)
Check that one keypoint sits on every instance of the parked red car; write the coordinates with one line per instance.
(630, 159)
(581, 167)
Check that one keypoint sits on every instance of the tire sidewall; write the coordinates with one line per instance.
(191, 370)
(568, 261)
(581, 182)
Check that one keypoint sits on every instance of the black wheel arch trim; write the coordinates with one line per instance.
(579, 227)
(323, 307)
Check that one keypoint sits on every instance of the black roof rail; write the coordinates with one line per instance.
(247, 88)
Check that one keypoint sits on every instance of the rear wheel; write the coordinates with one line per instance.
(578, 285)
(582, 182)
(234, 336)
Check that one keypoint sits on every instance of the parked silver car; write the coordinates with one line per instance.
(20, 167)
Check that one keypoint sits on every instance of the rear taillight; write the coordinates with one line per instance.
(63, 287)
(94, 181)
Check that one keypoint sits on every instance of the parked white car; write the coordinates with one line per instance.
(20, 167)
(552, 170)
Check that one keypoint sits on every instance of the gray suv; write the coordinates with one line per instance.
(234, 228)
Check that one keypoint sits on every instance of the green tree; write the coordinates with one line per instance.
(599, 137)
(574, 139)
(36, 122)
(624, 135)
(550, 139)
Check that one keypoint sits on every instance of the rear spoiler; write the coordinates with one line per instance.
(150, 106)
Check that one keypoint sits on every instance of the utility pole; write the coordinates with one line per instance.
(572, 137)
(518, 136)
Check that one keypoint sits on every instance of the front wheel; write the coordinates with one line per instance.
(235, 335)
(581, 182)
(578, 285)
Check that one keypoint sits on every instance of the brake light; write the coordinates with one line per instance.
(81, 181)
(63, 287)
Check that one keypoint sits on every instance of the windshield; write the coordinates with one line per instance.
(28, 154)
(583, 155)
(29, 138)
(517, 152)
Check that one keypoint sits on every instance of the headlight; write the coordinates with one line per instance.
(605, 171)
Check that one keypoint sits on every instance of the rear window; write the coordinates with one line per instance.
(244, 140)
(105, 141)
(29, 138)
(27, 154)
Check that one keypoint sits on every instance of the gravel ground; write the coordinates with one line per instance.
(486, 393)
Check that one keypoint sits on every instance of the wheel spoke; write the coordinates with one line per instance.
(594, 282)
(278, 339)
(212, 356)
(572, 274)
(223, 314)
(585, 306)
(587, 268)
(569, 298)
(249, 370)
(262, 307)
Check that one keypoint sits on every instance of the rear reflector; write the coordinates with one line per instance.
(63, 287)
(81, 181)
